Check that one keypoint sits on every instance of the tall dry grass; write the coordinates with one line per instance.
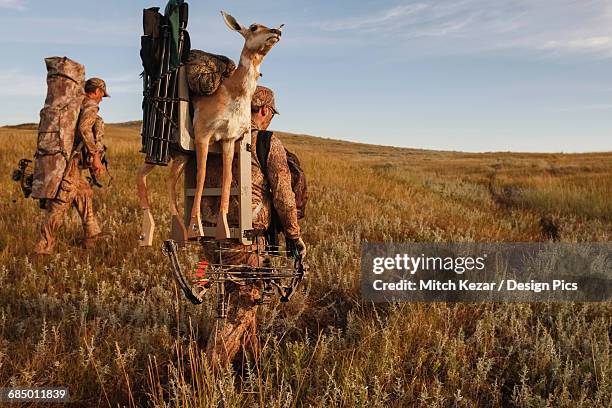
(111, 326)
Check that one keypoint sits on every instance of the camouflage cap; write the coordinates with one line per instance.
(263, 97)
(98, 83)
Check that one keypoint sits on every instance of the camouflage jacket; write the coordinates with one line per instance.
(266, 192)
(89, 124)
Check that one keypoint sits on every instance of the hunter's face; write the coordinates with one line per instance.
(263, 117)
(97, 95)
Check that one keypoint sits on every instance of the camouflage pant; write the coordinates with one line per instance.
(238, 331)
(74, 191)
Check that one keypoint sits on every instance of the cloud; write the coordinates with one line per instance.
(593, 107)
(19, 5)
(68, 30)
(377, 20)
(602, 43)
(416, 20)
(540, 26)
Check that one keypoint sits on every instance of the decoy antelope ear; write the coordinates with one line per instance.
(232, 23)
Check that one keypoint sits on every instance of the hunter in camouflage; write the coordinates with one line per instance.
(238, 331)
(75, 190)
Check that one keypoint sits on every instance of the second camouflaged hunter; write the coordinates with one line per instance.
(165, 47)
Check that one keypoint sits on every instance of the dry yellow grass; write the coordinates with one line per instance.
(110, 325)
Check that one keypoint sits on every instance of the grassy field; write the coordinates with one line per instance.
(109, 323)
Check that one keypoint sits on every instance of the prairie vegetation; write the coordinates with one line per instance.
(110, 325)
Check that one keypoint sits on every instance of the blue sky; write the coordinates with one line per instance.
(471, 75)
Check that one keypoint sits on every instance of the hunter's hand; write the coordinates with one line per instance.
(301, 247)
(96, 165)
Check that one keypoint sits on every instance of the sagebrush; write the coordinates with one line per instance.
(110, 324)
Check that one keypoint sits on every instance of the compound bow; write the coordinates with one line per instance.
(285, 279)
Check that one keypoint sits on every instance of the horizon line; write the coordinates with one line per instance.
(34, 125)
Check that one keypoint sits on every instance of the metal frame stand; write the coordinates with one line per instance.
(243, 232)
